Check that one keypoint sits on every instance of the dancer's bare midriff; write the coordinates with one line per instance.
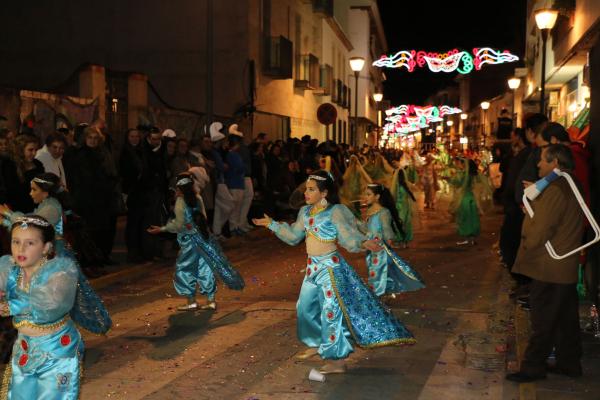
(315, 247)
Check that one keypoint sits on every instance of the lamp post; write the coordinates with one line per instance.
(545, 19)
(378, 97)
(356, 64)
(484, 106)
(514, 83)
(463, 118)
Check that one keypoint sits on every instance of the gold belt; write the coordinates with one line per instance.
(46, 328)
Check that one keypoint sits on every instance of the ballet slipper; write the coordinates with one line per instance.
(334, 367)
(308, 353)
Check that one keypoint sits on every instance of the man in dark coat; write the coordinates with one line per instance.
(553, 294)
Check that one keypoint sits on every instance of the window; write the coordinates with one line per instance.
(278, 57)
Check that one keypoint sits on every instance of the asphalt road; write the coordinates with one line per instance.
(245, 350)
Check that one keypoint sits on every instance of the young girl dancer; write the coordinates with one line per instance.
(404, 205)
(45, 192)
(464, 206)
(430, 182)
(46, 299)
(335, 308)
(200, 257)
(388, 273)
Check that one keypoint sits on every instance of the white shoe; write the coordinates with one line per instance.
(334, 367)
(209, 306)
(188, 307)
(308, 353)
(462, 243)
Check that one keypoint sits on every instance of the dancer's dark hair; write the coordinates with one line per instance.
(50, 183)
(324, 181)
(185, 183)
(387, 201)
(402, 182)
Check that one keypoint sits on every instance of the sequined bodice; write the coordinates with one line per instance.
(320, 225)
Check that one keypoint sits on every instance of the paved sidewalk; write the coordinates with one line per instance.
(558, 387)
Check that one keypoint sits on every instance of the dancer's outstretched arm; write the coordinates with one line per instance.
(290, 234)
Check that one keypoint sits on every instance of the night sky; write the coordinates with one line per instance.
(440, 26)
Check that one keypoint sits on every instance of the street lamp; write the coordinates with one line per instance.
(463, 118)
(545, 19)
(378, 97)
(514, 83)
(484, 106)
(356, 65)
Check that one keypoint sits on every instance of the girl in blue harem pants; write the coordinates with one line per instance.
(46, 298)
(335, 309)
(200, 257)
(388, 273)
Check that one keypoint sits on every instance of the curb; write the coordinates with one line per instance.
(527, 391)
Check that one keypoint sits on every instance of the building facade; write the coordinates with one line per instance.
(264, 64)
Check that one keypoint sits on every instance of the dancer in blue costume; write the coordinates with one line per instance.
(388, 273)
(45, 299)
(335, 308)
(45, 190)
(200, 257)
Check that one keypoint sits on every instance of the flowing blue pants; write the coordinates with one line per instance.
(388, 273)
(192, 271)
(320, 319)
(46, 367)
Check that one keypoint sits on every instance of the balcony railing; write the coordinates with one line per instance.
(325, 80)
(307, 72)
(345, 97)
(278, 57)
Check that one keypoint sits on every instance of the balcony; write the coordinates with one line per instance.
(278, 57)
(325, 81)
(337, 94)
(347, 97)
(324, 8)
(307, 72)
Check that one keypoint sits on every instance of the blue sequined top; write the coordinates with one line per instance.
(379, 225)
(48, 298)
(335, 223)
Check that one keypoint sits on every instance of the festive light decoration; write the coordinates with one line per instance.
(407, 118)
(453, 60)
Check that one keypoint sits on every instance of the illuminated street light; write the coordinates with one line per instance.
(484, 106)
(514, 84)
(356, 64)
(378, 97)
(545, 19)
